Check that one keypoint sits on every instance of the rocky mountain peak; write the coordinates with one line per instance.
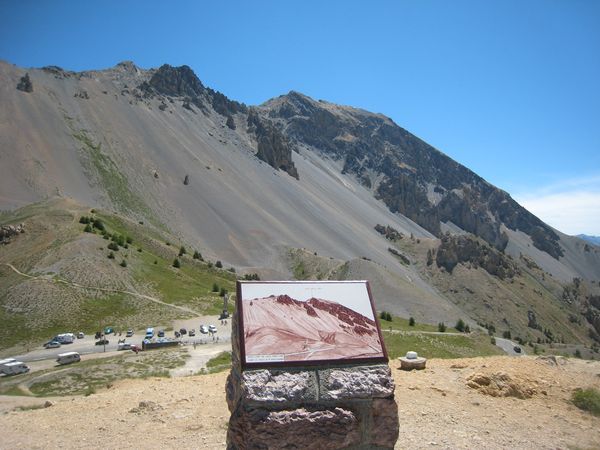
(128, 66)
(411, 177)
(176, 81)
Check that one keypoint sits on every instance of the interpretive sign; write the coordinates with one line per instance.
(287, 323)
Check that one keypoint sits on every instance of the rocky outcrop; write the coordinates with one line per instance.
(466, 249)
(272, 146)
(25, 84)
(174, 82)
(182, 82)
(410, 176)
(9, 231)
(388, 232)
(58, 72)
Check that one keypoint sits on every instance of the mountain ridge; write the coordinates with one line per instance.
(263, 188)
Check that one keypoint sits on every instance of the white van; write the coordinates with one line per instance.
(6, 361)
(123, 346)
(65, 338)
(15, 368)
(68, 358)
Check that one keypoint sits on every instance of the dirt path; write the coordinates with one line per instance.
(119, 291)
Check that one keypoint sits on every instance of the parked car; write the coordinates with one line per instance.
(203, 329)
(109, 330)
(68, 358)
(183, 331)
(124, 346)
(517, 349)
(129, 333)
(212, 328)
(161, 333)
(52, 344)
(102, 342)
(192, 332)
(80, 335)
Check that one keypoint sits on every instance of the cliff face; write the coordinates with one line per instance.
(410, 176)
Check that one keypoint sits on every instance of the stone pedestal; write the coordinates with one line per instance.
(412, 361)
(324, 407)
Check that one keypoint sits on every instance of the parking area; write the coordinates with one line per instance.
(201, 346)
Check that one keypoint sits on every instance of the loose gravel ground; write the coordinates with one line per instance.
(438, 408)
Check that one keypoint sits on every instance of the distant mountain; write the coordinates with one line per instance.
(294, 330)
(593, 239)
(292, 188)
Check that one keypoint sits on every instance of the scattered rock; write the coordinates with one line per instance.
(501, 384)
(146, 406)
(48, 404)
(553, 360)
(82, 94)
(8, 231)
(388, 232)
(458, 366)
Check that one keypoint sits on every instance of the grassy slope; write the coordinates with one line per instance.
(503, 303)
(53, 235)
(88, 375)
(400, 337)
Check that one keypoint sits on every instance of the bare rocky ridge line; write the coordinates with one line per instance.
(94, 288)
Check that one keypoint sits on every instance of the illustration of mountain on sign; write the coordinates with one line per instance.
(297, 323)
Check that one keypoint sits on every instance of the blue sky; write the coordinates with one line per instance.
(508, 88)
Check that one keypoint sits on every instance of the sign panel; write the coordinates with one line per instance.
(287, 323)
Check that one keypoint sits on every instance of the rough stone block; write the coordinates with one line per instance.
(326, 429)
(384, 429)
(412, 364)
(356, 382)
(270, 386)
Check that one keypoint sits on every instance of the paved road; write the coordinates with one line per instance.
(508, 346)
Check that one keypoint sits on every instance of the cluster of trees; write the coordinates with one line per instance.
(251, 277)
(385, 316)
(462, 326)
(91, 224)
(117, 240)
(222, 291)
